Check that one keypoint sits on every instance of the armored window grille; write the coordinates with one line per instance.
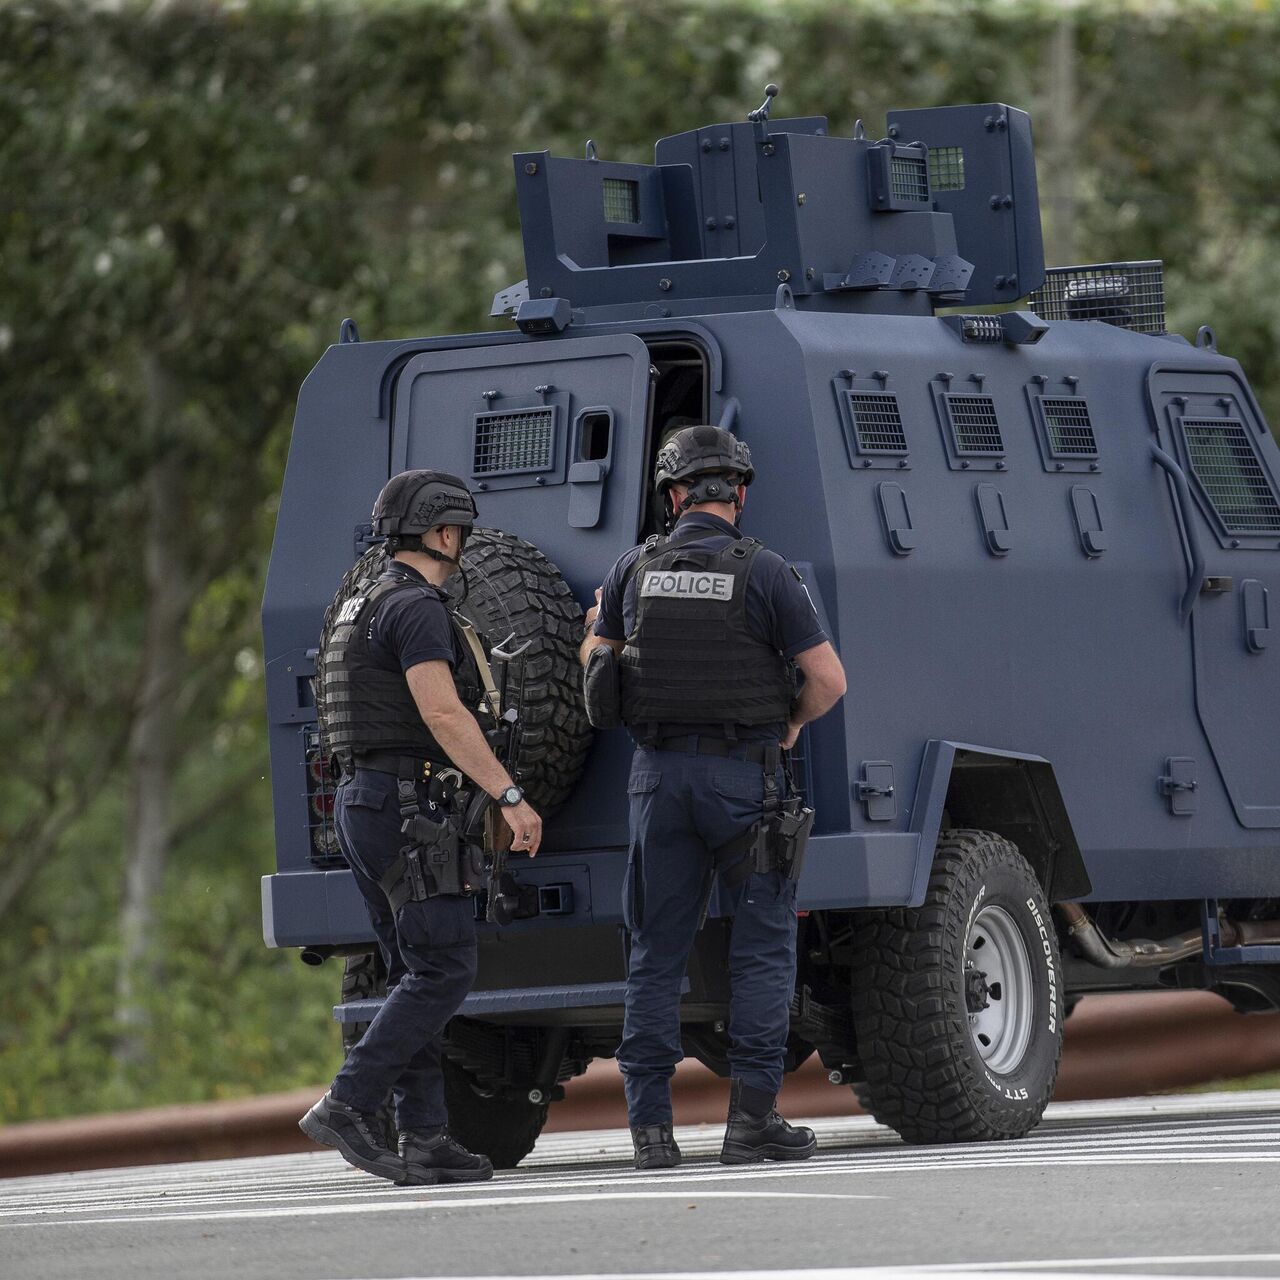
(621, 200)
(1129, 295)
(1068, 427)
(1226, 464)
(909, 179)
(519, 440)
(974, 426)
(946, 168)
(877, 422)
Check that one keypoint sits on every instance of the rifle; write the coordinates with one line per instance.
(506, 899)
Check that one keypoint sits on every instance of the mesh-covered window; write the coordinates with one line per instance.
(974, 425)
(946, 168)
(877, 423)
(909, 178)
(1226, 463)
(1068, 426)
(1129, 295)
(521, 440)
(621, 200)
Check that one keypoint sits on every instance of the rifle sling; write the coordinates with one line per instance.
(482, 662)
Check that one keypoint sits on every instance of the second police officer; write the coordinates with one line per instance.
(706, 625)
(402, 678)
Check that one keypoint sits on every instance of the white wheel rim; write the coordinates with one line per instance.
(996, 958)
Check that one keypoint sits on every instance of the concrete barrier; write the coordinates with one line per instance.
(1116, 1046)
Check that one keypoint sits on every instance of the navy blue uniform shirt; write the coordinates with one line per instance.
(779, 611)
(412, 627)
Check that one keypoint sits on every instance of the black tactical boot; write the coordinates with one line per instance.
(757, 1132)
(436, 1157)
(655, 1146)
(355, 1135)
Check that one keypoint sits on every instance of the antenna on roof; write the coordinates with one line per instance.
(760, 116)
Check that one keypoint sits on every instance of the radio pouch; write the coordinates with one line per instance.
(600, 689)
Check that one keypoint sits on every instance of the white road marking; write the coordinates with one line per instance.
(419, 1204)
(855, 1147)
(1043, 1269)
(867, 1273)
(1139, 1260)
(320, 1167)
(689, 1178)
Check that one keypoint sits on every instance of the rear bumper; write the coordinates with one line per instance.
(842, 872)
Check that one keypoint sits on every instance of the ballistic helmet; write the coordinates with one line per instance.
(415, 502)
(711, 461)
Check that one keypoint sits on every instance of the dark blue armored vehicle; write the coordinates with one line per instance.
(1042, 532)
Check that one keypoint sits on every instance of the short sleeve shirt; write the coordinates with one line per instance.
(779, 611)
(410, 627)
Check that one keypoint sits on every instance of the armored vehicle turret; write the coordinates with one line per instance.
(1042, 532)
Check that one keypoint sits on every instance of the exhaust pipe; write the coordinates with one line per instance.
(317, 955)
(1143, 953)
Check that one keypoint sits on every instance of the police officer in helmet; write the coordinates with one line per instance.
(402, 682)
(707, 627)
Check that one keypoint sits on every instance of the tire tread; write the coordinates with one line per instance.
(917, 1081)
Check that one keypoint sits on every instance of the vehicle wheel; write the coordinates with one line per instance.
(363, 977)
(957, 1004)
(500, 1127)
(513, 589)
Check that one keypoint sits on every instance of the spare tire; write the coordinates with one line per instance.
(513, 592)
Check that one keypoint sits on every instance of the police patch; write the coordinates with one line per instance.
(687, 584)
(350, 610)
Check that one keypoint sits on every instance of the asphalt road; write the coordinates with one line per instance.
(1170, 1186)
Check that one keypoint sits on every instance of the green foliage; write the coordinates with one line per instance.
(195, 193)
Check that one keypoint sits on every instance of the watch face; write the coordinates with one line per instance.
(512, 795)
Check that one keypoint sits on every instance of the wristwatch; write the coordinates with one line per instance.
(512, 795)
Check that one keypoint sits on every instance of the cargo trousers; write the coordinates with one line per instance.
(682, 807)
(430, 953)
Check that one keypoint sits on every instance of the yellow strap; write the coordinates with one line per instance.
(486, 676)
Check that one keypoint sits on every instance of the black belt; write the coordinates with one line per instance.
(768, 754)
(416, 767)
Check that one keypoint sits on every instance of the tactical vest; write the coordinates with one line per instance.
(690, 658)
(364, 708)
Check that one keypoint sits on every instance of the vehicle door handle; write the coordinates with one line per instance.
(1084, 505)
(586, 492)
(895, 517)
(995, 519)
(1195, 557)
(1257, 615)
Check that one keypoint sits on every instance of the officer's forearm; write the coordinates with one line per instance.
(816, 699)
(824, 684)
(458, 732)
(593, 641)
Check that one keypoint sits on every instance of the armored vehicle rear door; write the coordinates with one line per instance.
(1210, 423)
(551, 435)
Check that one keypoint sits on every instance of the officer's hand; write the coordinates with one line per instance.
(594, 612)
(526, 827)
(789, 739)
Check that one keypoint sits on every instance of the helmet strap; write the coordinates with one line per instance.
(413, 542)
(696, 495)
(440, 555)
